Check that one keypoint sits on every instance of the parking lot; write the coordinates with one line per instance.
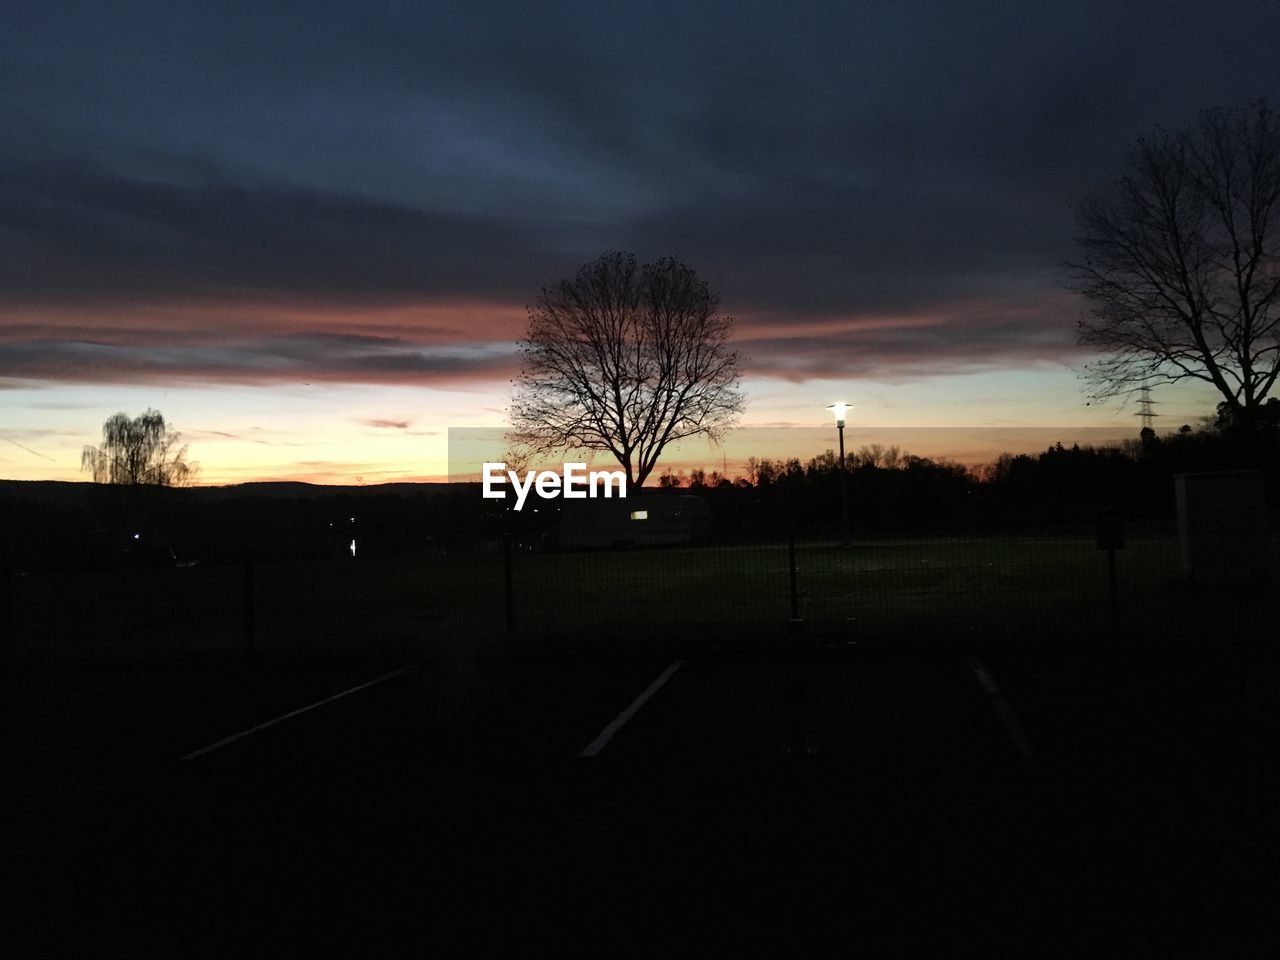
(827, 801)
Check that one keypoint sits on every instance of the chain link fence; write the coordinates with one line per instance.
(798, 585)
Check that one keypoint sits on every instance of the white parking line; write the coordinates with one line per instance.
(290, 715)
(605, 735)
(69, 698)
(1003, 711)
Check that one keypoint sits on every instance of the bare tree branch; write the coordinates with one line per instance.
(625, 358)
(1181, 262)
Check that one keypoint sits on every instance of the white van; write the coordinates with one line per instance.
(639, 520)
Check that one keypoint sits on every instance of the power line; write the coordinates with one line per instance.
(23, 446)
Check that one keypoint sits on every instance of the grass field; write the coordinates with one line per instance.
(1013, 590)
(1023, 590)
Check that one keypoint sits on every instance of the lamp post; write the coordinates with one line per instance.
(839, 410)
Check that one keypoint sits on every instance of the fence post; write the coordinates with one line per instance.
(791, 569)
(8, 613)
(1110, 537)
(508, 603)
(250, 640)
(1113, 584)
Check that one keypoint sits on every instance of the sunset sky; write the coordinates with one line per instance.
(307, 232)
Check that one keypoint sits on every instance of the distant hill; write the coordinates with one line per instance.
(58, 493)
(69, 494)
(298, 489)
(47, 525)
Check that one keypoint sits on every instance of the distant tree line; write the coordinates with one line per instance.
(891, 493)
(894, 492)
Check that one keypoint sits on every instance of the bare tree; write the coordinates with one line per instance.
(878, 455)
(625, 358)
(1181, 262)
(138, 450)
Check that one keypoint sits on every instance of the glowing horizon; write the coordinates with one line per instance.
(352, 434)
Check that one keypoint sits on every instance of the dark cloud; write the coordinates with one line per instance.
(78, 235)
(295, 358)
(813, 160)
(217, 434)
(898, 353)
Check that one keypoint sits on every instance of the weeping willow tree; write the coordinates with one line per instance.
(139, 450)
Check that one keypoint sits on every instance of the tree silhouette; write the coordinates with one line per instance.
(625, 358)
(138, 450)
(1181, 262)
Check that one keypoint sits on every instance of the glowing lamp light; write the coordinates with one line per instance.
(839, 410)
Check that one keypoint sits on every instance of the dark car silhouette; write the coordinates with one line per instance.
(128, 549)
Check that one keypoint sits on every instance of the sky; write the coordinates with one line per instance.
(308, 232)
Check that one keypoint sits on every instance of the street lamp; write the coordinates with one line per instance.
(839, 410)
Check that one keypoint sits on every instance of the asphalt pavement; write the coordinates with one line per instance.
(824, 803)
